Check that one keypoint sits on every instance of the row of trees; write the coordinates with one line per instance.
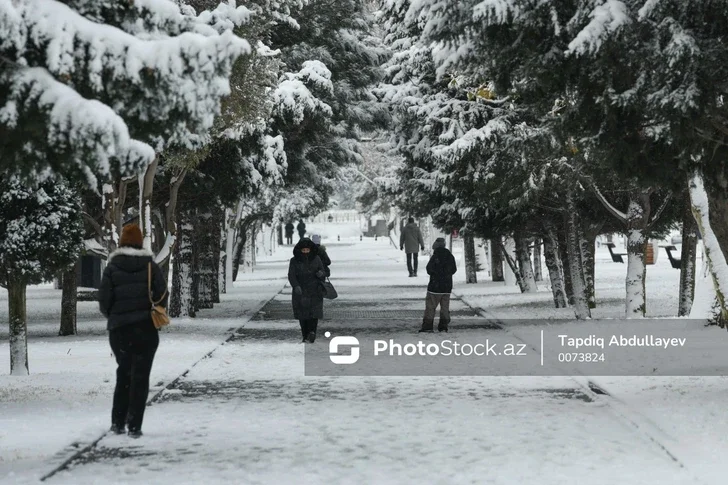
(560, 121)
(201, 120)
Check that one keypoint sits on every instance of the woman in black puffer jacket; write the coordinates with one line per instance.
(124, 301)
(306, 275)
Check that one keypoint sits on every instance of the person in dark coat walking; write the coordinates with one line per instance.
(322, 253)
(411, 241)
(124, 299)
(306, 275)
(289, 233)
(441, 267)
(301, 228)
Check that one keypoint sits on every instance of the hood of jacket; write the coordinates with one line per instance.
(131, 259)
(304, 243)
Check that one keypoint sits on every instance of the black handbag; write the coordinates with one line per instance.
(330, 291)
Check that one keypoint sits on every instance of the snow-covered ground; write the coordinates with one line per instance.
(66, 399)
(248, 414)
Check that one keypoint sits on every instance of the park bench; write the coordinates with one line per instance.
(616, 257)
(675, 262)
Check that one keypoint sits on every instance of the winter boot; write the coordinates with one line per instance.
(442, 326)
(427, 327)
(118, 429)
(312, 337)
(135, 433)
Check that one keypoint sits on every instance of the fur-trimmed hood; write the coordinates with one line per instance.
(130, 260)
(128, 251)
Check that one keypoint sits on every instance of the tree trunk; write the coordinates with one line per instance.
(496, 260)
(556, 270)
(576, 265)
(182, 304)
(69, 299)
(18, 328)
(638, 215)
(206, 267)
(239, 246)
(688, 259)
(524, 265)
(217, 226)
(564, 255)
(110, 228)
(279, 231)
(146, 190)
(248, 249)
(222, 276)
(470, 260)
(587, 244)
(514, 267)
(537, 271)
(170, 223)
(707, 209)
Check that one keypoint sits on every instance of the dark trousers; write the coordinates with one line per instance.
(432, 301)
(301, 234)
(134, 347)
(289, 239)
(412, 262)
(307, 326)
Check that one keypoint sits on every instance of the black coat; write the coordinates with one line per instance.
(302, 273)
(289, 229)
(301, 228)
(324, 259)
(123, 295)
(441, 267)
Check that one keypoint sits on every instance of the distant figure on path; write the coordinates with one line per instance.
(316, 238)
(289, 233)
(306, 274)
(301, 228)
(124, 299)
(411, 241)
(441, 267)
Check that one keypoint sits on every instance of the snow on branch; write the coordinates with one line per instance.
(116, 67)
(293, 98)
(605, 19)
(89, 130)
(496, 11)
(607, 205)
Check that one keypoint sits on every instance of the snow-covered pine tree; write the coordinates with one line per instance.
(40, 235)
(92, 90)
(445, 125)
(335, 35)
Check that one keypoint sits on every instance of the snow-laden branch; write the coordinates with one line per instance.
(661, 209)
(606, 19)
(607, 205)
(93, 134)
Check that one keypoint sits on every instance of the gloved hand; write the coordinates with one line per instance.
(423, 248)
(401, 248)
(297, 290)
(320, 274)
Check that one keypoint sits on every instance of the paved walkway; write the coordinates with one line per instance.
(247, 414)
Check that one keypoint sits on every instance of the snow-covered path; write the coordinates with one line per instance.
(248, 414)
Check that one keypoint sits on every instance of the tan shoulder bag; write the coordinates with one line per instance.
(159, 313)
